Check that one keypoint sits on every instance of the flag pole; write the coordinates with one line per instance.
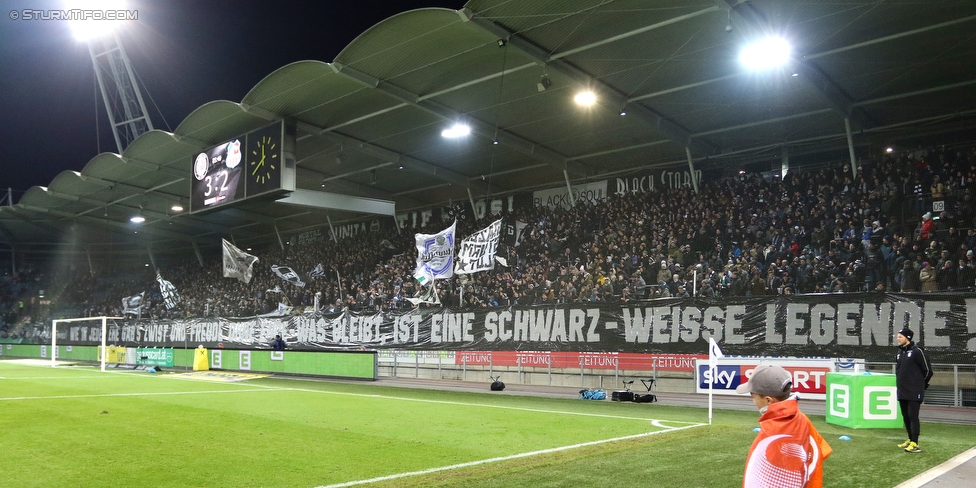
(711, 378)
(714, 354)
(339, 282)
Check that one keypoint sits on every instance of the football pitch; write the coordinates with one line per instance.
(77, 426)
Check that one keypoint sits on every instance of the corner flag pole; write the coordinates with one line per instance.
(714, 353)
(711, 374)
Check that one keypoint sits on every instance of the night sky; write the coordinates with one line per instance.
(186, 54)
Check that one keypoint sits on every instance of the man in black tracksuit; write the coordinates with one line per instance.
(913, 372)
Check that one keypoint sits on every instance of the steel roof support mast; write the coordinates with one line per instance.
(116, 80)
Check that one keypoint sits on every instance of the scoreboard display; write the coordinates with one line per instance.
(243, 167)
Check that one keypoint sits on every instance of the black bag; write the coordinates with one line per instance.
(496, 384)
(648, 398)
(622, 396)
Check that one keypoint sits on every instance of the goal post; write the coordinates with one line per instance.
(54, 336)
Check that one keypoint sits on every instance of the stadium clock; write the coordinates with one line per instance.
(263, 160)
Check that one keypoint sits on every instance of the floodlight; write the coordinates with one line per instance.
(766, 53)
(137, 218)
(455, 131)
(95, 18)
(585, 98)
(889, 150)
(177, 208)
(544, 83)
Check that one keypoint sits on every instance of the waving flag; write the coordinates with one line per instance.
(288, 274)
(317, 272)
(435, 255)
(170, 297)
(237, 264)
(133, 304)
(426, 294)
(477, 252)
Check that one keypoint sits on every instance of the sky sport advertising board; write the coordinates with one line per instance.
(809, 375)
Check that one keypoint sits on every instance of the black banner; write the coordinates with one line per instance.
(838, 325)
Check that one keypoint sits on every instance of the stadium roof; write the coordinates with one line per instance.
(369, 123)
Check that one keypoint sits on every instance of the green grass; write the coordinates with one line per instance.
(81, 427)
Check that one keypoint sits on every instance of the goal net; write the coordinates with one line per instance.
(90, 321)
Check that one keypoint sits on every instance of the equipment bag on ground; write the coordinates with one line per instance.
(589, 394)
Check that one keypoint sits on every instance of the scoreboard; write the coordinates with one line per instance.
(256, 163)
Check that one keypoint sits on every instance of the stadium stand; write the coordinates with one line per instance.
(815, 231)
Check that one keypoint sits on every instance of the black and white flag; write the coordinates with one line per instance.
(317, 272)
(133, 305)
(238, 264)
(426, 294)
(478, 250)
(170, 297)
(519, 231)
(288, 274)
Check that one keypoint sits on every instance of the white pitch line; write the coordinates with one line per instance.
(32, 378)
(365, 395)
(445, 402)
(504, 458)
(939, 470)
(104, 395)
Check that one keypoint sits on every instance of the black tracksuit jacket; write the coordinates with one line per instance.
(913, 372)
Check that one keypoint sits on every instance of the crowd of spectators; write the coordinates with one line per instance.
(834, 229)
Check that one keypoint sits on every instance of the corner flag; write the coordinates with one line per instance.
(714, 354)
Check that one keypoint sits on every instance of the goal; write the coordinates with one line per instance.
(103, 350)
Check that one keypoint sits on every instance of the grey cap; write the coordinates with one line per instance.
(768, 380)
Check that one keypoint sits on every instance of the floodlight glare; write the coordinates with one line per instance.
(137, 219)
(96, 18)
(585, 98)
(767, 53)
(890, 150)
(177, 208)
(456, 130)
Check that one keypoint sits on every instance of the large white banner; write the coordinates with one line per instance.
(477, 251)
(559, 196)
(237, 264)
(435, 255)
